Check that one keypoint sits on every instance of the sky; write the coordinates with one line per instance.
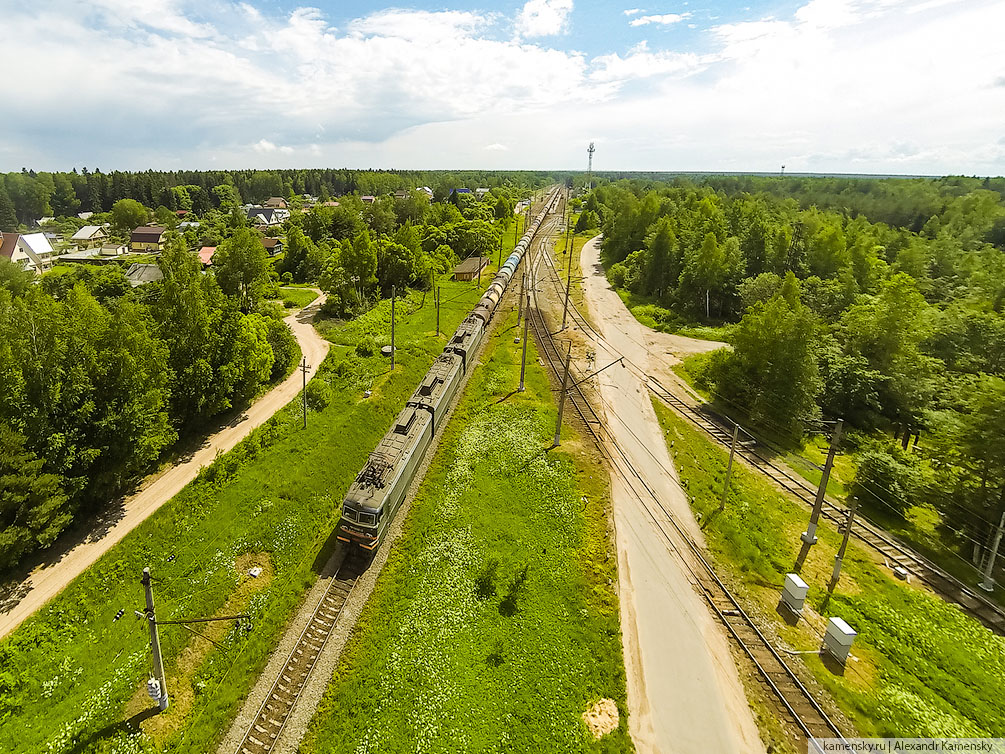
(845, 86)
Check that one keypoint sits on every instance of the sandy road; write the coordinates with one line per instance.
(48, 580)
(684, 693)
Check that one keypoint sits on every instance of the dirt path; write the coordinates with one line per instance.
(684, 693)
(48, 580)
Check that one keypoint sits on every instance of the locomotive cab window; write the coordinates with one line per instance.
(349, 514)
(367, 518)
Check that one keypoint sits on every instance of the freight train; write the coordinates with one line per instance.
(379, 489)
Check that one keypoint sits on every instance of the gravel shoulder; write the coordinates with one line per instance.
(684, 691)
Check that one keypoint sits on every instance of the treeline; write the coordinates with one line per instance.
(895, 331)
(27, 196)
(97, 379)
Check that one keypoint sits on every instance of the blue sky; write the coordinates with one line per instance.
(858, 86)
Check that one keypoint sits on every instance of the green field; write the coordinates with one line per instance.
(71, 677)
(921, 667)
(494, 624)
(296, 298)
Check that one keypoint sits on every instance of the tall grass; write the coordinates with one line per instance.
(68, 673)
(921, 667)
(494, 624)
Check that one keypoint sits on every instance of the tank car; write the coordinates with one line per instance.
(379, 489)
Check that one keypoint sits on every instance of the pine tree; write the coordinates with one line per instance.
(8, 218)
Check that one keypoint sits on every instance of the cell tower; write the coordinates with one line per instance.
(589, 165)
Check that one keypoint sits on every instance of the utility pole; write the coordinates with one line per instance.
(729, 468)
(523, 358)
(479, 267)
(844, 546)
(561, 399)
(437, 296)
(155, 646)
(392, 328)
(809, 536)
(988, 585)
(304, 366)
(589, 168)
(568, 289)
(523, 289)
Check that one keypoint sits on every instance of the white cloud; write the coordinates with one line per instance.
(642, 63)
(632, 11)
(834, 86)
(542, 18)
(665, 20)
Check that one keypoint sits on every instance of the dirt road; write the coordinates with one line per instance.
(684, 693)
(47, 581)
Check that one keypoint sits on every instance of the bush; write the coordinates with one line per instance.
(616, 275)
(319, 395)
(367, 346)
(284, 346)
(287, 278)
(889, 477)
(657, 317)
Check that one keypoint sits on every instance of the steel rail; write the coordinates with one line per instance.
(943, 583)
(584, 408)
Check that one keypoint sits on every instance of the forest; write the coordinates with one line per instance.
(98, 380)
(28, 196)
(879, 302)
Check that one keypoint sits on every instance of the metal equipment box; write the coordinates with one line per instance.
(838, 639)
(794, 592)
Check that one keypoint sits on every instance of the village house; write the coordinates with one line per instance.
(470, 268)
(273, 246)
(139, 273)
(147, 238)
(31, 251)
(267, 216)
(88, 236)
(206, 255)
(275, 202)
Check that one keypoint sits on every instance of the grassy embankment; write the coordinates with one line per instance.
(920, 668)
(920, 526)
(71, 676)
(494, 624)
(577, 296)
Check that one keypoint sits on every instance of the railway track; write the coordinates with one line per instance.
(895, 553)
(795, 704)
(270, 721)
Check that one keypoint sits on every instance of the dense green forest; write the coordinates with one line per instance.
(27, 196)
(876, 301)
(99, 379)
